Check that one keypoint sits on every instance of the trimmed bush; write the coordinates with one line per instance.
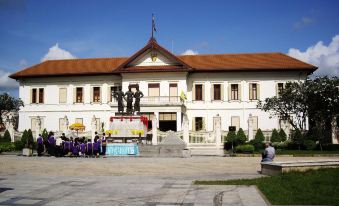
(283, 136)
(7, 146)
(297, 138)
(310, 144)
(241, 137)
(231, 138)
(275, 136)
(246, 148)
(259, 136)
(18, 145)
(257, 142)
(6, 137)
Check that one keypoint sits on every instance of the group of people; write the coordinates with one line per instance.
(69, 147)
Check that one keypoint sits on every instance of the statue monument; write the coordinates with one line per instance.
(119, 96)
(137, 95)
(129, 94)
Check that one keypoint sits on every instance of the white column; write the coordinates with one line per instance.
(179, 121)
(250, 127)
(37, 127)
(186, 134)
(217, 130)
(154, 131)
(93, 127)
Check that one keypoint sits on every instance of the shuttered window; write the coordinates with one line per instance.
(198, 92)
(41, 95)
(173, 92)
(34, 96)
(253, 91)
(79, 95)
(234, 92)
(280, 89)
(216, 92)
(96, 94)
(167, 116)
(154, 90)
(62, 95)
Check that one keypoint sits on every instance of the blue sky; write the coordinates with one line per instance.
(119, 28)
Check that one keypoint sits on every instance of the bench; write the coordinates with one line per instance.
(275, 168)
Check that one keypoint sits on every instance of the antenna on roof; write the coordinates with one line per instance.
(153, 26)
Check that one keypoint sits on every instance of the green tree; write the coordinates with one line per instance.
(8, 104)
(7, 136)
(258, 140)
(44, 134)
(241, 137)
(275, 137)
(231, 137)
(282, 135)
(297, 138)
(316, 98)
(24, 138)
(30, 139)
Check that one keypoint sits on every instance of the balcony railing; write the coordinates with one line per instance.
(160, 100)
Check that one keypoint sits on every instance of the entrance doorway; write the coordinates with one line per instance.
(167, 121)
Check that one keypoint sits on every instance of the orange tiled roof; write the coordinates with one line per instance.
(197, 63)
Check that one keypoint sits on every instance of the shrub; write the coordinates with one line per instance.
(283, 136)
(275, 136)
(231, 137)
(310, 144)
(280, 145)
(241, 137)
(44, 135)
(7, 146)
(247, 148)
(18, 145)
(6, 137)
(257, 142)
(24, 138)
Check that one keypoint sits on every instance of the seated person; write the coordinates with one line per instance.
(269, 153)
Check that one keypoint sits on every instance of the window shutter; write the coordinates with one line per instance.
(222, 92)
(212, 92)
(239, 92)
(91, 96)
(250, 91)
(203, 92)
(276, 90)
(193, 92)
(100, 95)
(193, 124)
(258, 91)
(30, 96)
(229, 92)
(74, 94)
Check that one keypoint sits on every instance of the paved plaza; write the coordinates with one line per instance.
(127, 181)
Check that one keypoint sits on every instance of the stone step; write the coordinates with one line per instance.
(206, 152)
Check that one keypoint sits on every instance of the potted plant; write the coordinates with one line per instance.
(27, 141)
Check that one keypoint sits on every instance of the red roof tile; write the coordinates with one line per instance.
(193, 63)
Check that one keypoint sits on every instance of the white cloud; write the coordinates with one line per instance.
(55, 52)
(326, 58)
(6, 82)
(305, 21)
(23, 63)
(190, 52)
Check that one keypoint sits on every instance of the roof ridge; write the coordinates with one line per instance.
(231, 54)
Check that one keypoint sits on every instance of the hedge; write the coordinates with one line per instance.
(246, 148)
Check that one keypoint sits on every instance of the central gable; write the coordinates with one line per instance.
(152, 58)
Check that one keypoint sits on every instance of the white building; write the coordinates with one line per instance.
(225, 85)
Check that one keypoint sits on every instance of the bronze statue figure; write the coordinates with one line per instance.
(129, 100)
(119, 96)
(137, 95)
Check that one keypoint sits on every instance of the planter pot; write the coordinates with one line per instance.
(27, 152)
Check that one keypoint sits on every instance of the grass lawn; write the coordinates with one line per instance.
(314, 187)
(306, 152)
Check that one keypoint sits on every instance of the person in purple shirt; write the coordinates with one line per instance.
(83, 148)
(51, 143)
(96, 148)
(75, 150)
(66, 147)
(89, 148)
(40, 142)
